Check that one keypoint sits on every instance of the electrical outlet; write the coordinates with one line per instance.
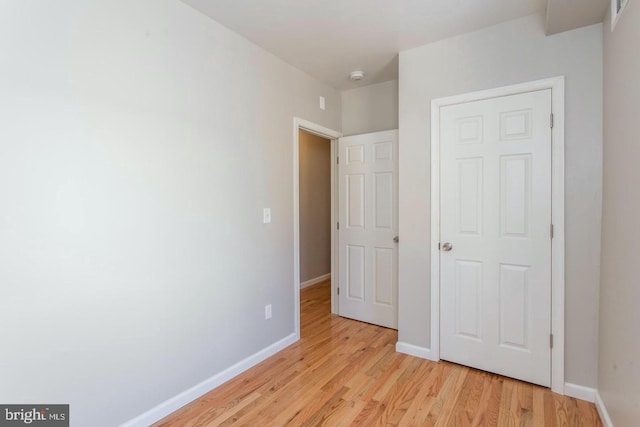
(266, 215)
(267, 311)
(323, 105)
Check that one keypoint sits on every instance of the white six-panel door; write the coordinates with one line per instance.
(495, 270)
(368, 225)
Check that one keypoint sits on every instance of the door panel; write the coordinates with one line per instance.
(383, 200)
(368, 218)
(515, 195)
(470, 195)
(513, 306)
(355, 200)
(468, 299)
(355, 272)
(496, 212)
(384, 280)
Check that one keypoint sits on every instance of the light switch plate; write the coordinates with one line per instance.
(266, 215)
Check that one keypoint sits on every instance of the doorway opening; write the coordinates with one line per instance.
(312, 237)
(314, 158)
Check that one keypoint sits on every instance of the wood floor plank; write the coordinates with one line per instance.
(469, 400)
(549, 410)
(488, 409)
(522, 404)
(424, 399)
(588, 414)
(395, 395)
(346, 373)
(342, 415)
(538, 406)
(449, 396)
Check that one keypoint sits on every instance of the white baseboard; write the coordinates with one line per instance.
(602, 411)
(316, 280)
(580, 392)
(171, 405)
(414, 350)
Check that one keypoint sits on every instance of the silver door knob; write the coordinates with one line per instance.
(447, 247)
(396, 239)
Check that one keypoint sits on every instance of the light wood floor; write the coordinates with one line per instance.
(344, 372)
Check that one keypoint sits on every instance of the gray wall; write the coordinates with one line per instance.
(315, 206)
(505, 54)
(139, 143)
(619, 357)
(370, 108)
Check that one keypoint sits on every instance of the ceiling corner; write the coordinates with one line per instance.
(565, 15)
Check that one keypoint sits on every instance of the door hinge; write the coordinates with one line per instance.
(550, 340)
(551, 231)
(551, 121)
(438, 245)
(338, 289)
(338, 160)
(338, 225)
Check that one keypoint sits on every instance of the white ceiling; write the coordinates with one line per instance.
(328, 39)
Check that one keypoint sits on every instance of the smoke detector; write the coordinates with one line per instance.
(356, 75)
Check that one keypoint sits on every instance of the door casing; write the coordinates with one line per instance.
(332, 135)
(556, 85)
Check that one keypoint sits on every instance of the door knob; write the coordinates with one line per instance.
(396, 239)
(447, 247)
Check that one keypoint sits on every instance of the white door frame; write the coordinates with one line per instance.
(556, 85)
(332, 135)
